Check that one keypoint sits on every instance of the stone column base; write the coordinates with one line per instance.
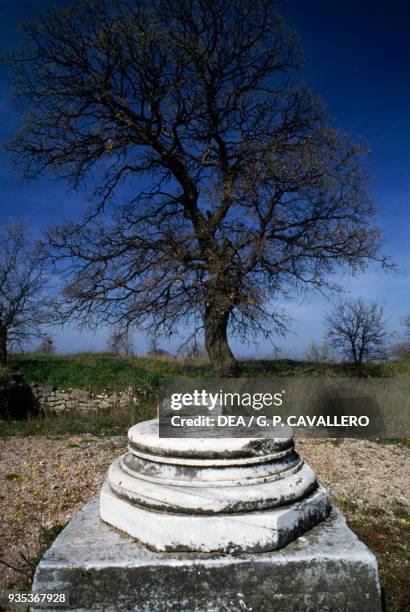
(327, 569)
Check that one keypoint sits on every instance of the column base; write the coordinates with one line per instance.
(326, 569)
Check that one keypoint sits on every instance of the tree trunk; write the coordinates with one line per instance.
(354, 352)
(216, 342)
(3, 345)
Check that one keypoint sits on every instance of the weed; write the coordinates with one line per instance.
(347, 505)
(389, 541)
(25, 566)
(400, 510)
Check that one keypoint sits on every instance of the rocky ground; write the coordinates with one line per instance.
(45, 481)
(365, 473)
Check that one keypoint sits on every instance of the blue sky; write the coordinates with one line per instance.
(357, 56)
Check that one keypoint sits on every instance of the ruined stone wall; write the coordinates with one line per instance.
(56, 401)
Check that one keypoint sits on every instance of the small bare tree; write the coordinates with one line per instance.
(156, 351)
(23, 308)
(401, 349)
(319, 352)
(120, 342)
(193, 350)
(357, 330)
(46, 346)
(406, 323)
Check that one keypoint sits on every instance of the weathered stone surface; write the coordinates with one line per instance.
(328, 569)
(211, 494)
(144, 437)
(81, 395)
(234, 532)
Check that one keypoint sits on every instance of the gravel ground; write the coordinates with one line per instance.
(366, 473)
(45, 481)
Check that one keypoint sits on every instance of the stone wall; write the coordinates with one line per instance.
(56, 401)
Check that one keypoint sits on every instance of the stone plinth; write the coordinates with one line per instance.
(327, 569)
(211, 494)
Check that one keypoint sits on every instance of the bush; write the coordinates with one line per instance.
(16, 397)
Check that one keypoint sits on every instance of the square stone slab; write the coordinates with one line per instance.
(327, 569)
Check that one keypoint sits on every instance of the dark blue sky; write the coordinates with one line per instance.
(357, 56)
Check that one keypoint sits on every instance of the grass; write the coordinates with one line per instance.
(93, 371)
(26, 566)
(103, 371)
(389, 540)
(110, 422)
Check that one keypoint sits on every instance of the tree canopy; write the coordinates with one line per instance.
(23, 307)
(218, 183)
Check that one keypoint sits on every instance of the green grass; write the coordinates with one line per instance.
(95, 372)
(103, 371)
(98, 371)
(389, 539)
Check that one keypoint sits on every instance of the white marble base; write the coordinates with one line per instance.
(211, 494)
(229, 533)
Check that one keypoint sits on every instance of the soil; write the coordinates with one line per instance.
(45, 481)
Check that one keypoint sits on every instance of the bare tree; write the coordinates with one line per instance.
(192, 350)
(23, 309)
(406, 324)
(319, 352)
(401, 349)
(156, 351)
(120, 342)
(46, 346)
(358, 331)
(217, 182)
